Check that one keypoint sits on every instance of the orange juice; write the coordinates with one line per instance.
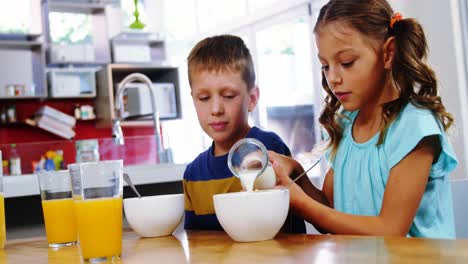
(100, 227)
(2, 221)
(59, 219)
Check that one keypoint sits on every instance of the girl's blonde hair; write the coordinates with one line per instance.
(414, 78)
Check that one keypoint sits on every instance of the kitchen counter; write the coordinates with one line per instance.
(217, 247)
(25, 185)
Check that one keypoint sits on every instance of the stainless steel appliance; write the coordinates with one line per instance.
(137, 103)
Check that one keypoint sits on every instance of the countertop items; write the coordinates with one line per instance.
(24, 185)
(217, 247)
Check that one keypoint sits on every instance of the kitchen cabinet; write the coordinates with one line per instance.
(22, 55)
(71, 64)
(93, 51)
(22, 62)
(64, 66)
(31, 63)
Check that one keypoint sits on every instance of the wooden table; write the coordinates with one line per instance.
(217, 247)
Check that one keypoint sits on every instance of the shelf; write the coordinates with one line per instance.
(19, 36)
(74, 96)
(16, 44)
(154, 64)
(71, 7)
(70, 98)
(137, 66)
(132, 38)
(133, 41)
(53, 63)
(22, 97)
(14, 124)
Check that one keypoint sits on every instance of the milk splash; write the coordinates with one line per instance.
(248, 178)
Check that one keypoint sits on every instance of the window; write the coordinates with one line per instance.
(283, 56)
(70, 28)
(280, 42)
(464, 16)
(212, 13)
(181, 26)
(285, 75)
(21, 17)
(256, 5)
(290, 94)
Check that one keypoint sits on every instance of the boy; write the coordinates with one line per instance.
(222, 81)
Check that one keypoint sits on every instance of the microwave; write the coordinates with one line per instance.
(72, 82)
(137, 103)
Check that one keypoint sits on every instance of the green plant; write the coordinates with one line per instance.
(137, 24)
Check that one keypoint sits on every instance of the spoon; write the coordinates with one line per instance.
(304, 173)
(129, 182)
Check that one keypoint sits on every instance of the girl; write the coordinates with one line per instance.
(387, 147)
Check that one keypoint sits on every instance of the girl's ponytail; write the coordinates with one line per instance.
(415, 78)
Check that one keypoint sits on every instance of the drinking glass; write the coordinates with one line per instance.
(248, 160)
(58, 208)
(97, 193)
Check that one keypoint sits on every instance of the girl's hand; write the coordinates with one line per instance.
(285, 166)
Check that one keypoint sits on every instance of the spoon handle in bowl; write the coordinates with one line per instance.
(304, 173)
(129, 182)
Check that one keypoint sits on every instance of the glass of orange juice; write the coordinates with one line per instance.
(2, 209)
(97, 194)
(58, 208)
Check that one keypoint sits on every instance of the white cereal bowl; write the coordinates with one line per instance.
(252, 216)
(154, 216)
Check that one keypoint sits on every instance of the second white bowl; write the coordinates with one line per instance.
(154, 216)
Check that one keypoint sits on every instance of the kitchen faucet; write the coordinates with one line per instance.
(117, 133)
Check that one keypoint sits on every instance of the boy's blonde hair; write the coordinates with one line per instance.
(222, 53)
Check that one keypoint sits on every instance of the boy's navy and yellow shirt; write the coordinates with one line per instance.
(208, 175)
